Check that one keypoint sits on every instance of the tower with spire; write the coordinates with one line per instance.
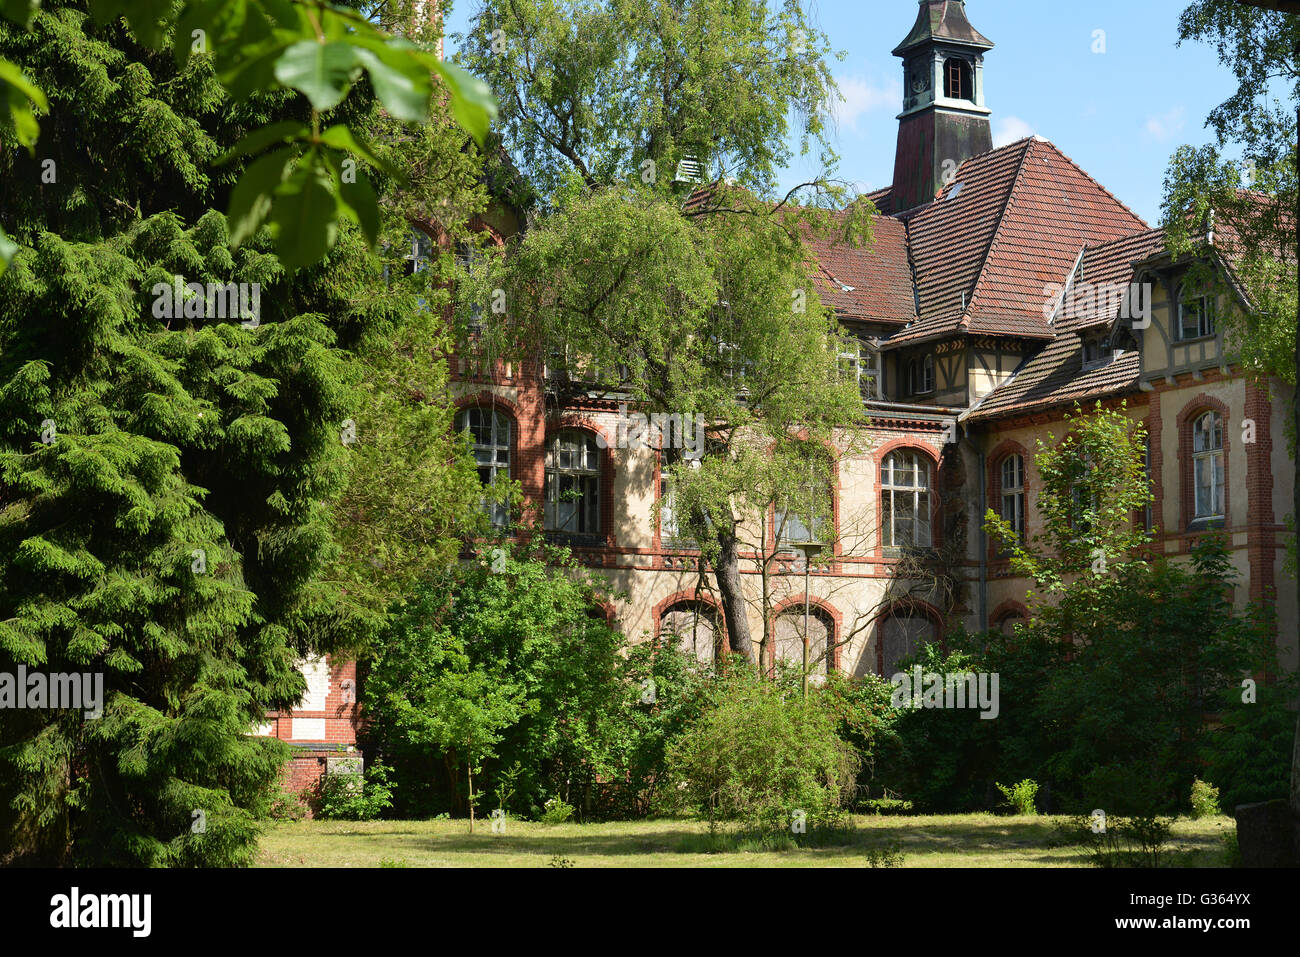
(944, 120)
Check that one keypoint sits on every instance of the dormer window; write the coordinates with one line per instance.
(920, 375)
(1195, 311)
(957, 81)
(1096, 350)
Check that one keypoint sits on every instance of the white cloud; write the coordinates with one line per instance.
(864, 96)
(1166, 125)
(1008, 129)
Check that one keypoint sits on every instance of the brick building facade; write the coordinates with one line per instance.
(983, 312)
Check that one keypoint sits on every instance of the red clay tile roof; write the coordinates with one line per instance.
(1055, 377)
(1011, 223)
(878, 277)
(1104, 265)
(883, 200)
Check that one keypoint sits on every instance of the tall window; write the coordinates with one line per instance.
(803, 514)
(490, 436)
(1195, 312)
(905, 500)
(861, 363)
(668, 530)
(1146, 470)
(466, 255)
(957, 83)
(572, 493)
(1207, 465)
(1013, 494)
(920, 375)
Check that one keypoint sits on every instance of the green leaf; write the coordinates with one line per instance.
(342, 138)
(9, 249)
(259, 140)
(304, 218)
(472, 102)
(20, 12)
(251, 199)
(361, 206)
(11, 75)
(400, 79)
(322, 72)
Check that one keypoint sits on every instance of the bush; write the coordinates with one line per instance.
(556, 811)
(1020, 797)
(1248, 755)
(350, 797)
(1205, 799)
(885, 806)
(1118, 842)
(768, 762)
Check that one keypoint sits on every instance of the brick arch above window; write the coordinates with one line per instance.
(911, 608)
(1186, 421)
(935, 496)
(817, 607)
(1007, 609)
(686, 601)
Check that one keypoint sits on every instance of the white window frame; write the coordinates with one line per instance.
(1203, 298)
(892, 492)
(572, 460)
(493, 455)
(1013, 492)
(1208, 462)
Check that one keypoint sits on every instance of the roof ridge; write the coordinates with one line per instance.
(1002, 219)
(1125, 239)
(1122, 205)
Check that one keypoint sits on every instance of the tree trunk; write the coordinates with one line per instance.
(727, 572)
(469, 770)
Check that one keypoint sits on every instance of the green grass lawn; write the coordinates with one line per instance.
(956, 840)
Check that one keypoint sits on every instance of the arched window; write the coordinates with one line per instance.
(1013, 493)
(905, 500)
(788, 638)
(489, 431)
(692, 627)
(900, 634)
(1207, 466)
(957, 84)
(1006, 622)
(572, 492)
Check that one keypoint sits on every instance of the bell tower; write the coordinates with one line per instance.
(944, 120)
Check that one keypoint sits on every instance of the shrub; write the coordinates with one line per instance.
(1248, 755)
(885, 806)
(1205, 799)
(889, 856)
(769, 762)
(1020, 797)
(1120, 842)
(350, 797)
(556, 811)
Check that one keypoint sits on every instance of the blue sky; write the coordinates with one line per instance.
(1118, 114)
